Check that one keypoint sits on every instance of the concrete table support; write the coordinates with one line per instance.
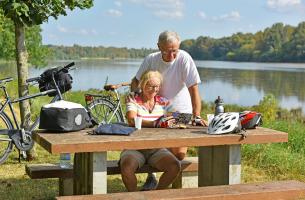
(219, 165)
(90, 171)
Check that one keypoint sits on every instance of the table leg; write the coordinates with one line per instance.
(90, 173)
(219, 165)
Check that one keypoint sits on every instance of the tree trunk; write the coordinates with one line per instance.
(22, 72)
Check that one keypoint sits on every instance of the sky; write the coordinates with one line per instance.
(137, 23)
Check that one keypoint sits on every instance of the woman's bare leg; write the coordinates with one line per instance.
(171, 168)
(128, 167)
(179, 152)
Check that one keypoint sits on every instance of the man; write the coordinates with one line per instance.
(180, 84)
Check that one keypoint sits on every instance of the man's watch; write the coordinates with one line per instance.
(197, 119)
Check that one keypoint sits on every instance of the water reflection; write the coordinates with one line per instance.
(279, 83)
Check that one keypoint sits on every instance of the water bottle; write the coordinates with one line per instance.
(219, 106)
(65, 160)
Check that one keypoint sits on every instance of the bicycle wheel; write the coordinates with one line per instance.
(6, 145)
(102, 111)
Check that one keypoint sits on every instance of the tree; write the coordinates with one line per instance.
(27, 13)
(296, 47)
(37, 52)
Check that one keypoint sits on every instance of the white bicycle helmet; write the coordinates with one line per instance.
(225, 123)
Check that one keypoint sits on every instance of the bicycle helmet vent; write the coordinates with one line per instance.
(225, 123)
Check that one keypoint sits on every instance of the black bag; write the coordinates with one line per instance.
(63, 116)
(63, 80)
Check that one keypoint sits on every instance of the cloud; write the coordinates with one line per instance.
(166, 14)
(164, 9)
(114, 13)
(62, 29)
(284, 5)
(118, 3)
(202, 15)
(232, 16)
(77, 31)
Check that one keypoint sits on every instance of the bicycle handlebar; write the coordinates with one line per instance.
(64, 69)
(32, 79)
(8, 79)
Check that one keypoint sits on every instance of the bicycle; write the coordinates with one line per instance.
(106, 108)
(11, 133)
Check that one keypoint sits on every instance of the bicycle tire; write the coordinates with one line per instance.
(6, 147)
(102, 109)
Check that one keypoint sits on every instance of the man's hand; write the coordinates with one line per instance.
(198, 121)
(131, 96)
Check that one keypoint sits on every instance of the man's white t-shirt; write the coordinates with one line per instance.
(178, 76)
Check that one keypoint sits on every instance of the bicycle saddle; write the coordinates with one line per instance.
(115, 86)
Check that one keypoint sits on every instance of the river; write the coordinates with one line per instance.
(241, 83)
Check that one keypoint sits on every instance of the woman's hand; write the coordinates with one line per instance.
(164, 122)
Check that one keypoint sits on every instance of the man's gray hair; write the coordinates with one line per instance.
(168, 37)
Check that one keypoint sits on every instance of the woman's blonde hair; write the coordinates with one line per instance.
(146, 76)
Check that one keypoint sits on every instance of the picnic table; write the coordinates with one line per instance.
(219, 156)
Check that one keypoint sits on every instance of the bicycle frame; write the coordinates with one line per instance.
(9, 102)
(118, 105)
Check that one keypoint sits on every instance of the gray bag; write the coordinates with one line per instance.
(63, 116)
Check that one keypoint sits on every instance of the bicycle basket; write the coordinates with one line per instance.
(63, 80)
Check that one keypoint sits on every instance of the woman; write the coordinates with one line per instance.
(151, 107)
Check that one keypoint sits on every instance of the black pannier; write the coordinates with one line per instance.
(64, 116)
(63, 80)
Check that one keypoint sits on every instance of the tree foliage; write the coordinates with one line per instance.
(278, 43)
(77, 52)
(36, 12)
(37, 52)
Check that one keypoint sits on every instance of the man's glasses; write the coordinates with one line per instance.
(168, 52)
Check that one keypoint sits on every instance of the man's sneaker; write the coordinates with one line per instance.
(150, 183)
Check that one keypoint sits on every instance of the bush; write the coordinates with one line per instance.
(268, 107)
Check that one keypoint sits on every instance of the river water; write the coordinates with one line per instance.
(241, 83)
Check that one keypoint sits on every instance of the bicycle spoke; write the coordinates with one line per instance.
(103, 111)
(6, 144)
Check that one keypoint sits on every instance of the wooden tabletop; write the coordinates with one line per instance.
(82, 141)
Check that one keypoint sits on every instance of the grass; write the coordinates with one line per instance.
(280, 161)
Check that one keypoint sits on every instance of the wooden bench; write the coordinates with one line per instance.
(279, 190)
(188, 177)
